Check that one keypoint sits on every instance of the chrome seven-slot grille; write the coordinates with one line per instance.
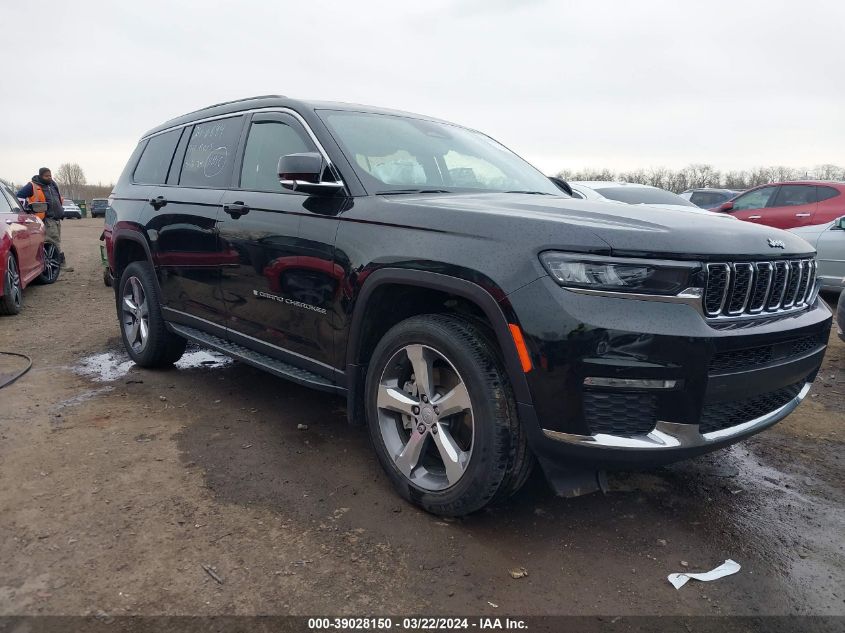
(735, 289)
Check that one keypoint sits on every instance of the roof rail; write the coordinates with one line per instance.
(223, 103)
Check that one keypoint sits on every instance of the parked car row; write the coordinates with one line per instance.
(813, 210)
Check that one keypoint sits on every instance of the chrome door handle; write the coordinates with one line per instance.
(802, 215)
(754, 217)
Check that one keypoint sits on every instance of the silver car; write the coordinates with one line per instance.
(829, 240)
(635, 193)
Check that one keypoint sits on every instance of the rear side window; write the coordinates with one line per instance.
(708, 199)
(795, 195)
(211, 153)
(826, 193)
(268, 141)
(155, 161)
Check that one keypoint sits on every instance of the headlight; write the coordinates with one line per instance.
(644, 276)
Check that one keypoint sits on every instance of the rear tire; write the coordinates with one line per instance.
(12, 299)
(451, 443)
(142, 328)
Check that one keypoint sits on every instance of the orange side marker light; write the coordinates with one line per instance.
(521, 349)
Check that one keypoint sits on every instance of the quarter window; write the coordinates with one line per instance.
(826, 193)
(210, 153)
(756, 199)
(268, 141)
(795, 195)
(155, 161)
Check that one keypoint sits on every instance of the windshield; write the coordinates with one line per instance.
(395, 153)
(643, 195)
(99, 203)
(68, 203)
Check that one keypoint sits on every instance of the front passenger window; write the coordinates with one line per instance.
(268, 141)
(756, 199)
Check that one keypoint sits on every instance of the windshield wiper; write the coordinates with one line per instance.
(535, 193)
(400, 191)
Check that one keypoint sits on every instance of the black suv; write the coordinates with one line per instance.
(476, 318)
(99, 207)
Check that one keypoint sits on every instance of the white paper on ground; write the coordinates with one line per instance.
(725, 569)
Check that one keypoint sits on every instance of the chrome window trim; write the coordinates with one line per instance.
(282, 109)
(668, 435)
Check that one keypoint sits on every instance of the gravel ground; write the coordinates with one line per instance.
(193, 491)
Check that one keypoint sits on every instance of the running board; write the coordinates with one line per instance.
(256, 359)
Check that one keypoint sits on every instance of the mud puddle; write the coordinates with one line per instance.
(116, 364)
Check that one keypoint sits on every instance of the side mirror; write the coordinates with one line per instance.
(303, 172)
(839, 225)
(561, 184)
(726, 206)
(38, 207)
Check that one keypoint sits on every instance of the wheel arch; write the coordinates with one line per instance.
(472, 293)
(130, 246)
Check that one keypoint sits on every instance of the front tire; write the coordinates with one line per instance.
(145, 336)
(442, 417)
(12, 299)
(52, 264)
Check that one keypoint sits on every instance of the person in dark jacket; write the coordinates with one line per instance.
(42, 188)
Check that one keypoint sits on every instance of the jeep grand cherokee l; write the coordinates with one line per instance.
(477, 319)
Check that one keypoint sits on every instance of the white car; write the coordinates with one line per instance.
(633, 193)
(71, 209)
(829, 241)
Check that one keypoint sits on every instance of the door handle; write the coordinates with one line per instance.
(754, 217)
(802, 215)
(158, 202)
(236, 209)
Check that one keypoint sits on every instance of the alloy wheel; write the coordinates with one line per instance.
(52, 261)
(136, 314)
(13, 281)
(425, 417)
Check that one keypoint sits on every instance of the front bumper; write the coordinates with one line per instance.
(722, 383)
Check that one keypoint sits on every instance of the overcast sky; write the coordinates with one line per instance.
(565, 84)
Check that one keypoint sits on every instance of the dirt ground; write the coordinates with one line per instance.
(192, 491)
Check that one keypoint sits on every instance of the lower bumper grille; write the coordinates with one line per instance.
(622, 413)
(749, 357)
(721, 415)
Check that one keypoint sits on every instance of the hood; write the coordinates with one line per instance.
(626, 230)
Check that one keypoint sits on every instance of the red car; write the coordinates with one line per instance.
(22, 256)
(787, 205)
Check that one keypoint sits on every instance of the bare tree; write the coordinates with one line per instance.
(829, 172)
(71, 177)
(780, 173)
